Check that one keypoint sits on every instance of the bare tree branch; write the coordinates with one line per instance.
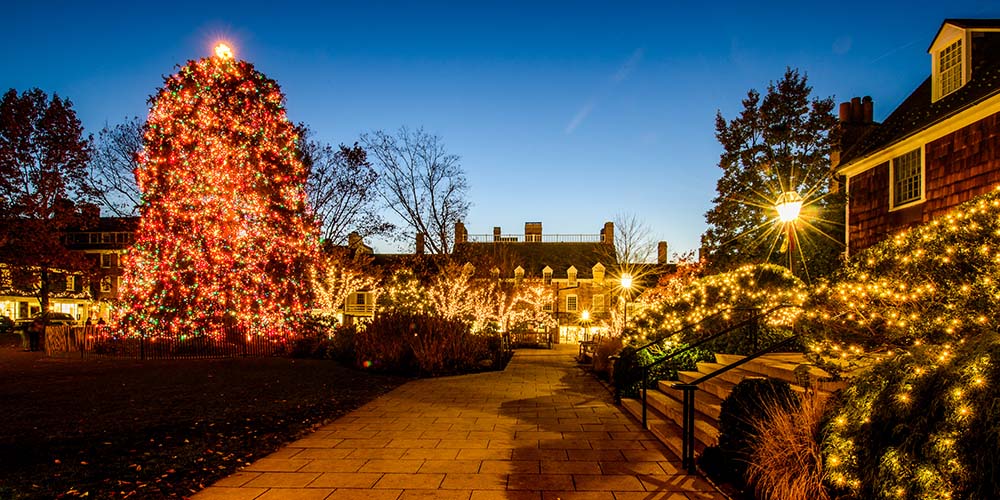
(113, 165)
(421, 183)
(342, 190)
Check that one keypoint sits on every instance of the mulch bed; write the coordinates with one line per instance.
(158, 429)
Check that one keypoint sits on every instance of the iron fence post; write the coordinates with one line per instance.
(645, 382)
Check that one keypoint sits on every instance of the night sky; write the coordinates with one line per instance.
(566, 113)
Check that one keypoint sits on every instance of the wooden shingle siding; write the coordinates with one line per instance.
(869, 207)
(958, 167)
(962, 165)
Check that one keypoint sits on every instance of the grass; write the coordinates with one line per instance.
(157, 429)
(786, 461)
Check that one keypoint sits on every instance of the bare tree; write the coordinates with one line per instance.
(116, 156)
(633, 240)
(421, 182)
(342, 190)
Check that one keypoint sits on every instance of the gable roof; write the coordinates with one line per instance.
(917, 112)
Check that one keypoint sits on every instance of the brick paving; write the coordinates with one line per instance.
(540, 430)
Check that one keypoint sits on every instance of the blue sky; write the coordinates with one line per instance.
(563, 112)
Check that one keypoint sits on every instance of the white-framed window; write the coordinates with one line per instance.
(907, 178)
(571, 274)
(70, 282)
(360, 298)
(107, 259)
(106, 284)
(547, 306)
(949, 62)
(572, 304)
(547, 275)
(598, 305)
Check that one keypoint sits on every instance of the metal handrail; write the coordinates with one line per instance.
(635, 354)
(687, 417)
(753, 321)
(692, 325)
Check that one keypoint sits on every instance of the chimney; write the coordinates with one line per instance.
(461, 235)
(533, 231)
(608, 233)
(856, 119)
(857, 112)
(420, 244)
(868, 107)
(496, 233)
(661, 252)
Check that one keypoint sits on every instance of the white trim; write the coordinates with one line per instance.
(923, 181)
(932, 133)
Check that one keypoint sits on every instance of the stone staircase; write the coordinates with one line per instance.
(664, 408)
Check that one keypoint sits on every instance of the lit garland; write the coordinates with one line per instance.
(224, 238)
(931, 284)
(763, 286)
(918, 309)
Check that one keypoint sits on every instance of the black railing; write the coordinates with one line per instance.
(687, 418)
(109, 342)
(634, 355)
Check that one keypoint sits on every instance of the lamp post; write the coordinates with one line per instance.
(585, 318)
(626, 283)
(788, 205)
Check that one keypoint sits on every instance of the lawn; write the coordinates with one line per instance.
(157, 429)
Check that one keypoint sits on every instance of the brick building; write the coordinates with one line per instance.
(939, 148)
(83, 294)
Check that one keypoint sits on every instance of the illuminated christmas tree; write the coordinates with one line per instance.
(225, 237)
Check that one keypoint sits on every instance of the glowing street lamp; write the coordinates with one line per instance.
(788, 205)
(626, 284)
(585, 319)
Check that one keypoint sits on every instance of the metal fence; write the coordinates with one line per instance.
(109, 342)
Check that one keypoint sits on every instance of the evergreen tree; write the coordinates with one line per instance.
(778, 143)
(224, 238)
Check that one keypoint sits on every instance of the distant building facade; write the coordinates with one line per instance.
(82, 294)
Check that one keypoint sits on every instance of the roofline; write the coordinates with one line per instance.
(963, 24)
(990, 104)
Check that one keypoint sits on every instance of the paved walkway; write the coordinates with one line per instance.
(540, 430)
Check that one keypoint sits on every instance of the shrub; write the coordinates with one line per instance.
(920, 425)
(785, 461)
(761, 286)
(606, 347)
(628, 369)
(746, 403)
(421, 344)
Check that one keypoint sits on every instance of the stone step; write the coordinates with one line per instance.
(672, 410)
(669, 432)
(776, 365)
(705, 402)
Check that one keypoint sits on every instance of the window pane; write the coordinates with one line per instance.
(950, 66)
(906, 178)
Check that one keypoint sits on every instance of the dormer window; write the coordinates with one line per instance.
(547, 275)
(949, 63)
(518, 274)
(571, 274)
(598, 271)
